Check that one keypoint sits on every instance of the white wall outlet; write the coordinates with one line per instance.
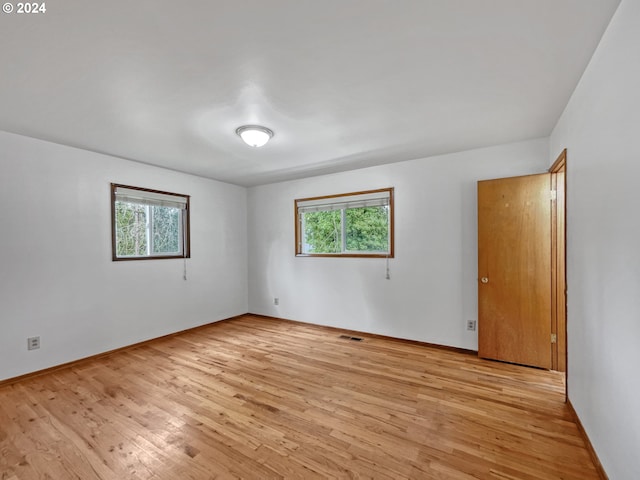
(276, 301)
(471, 325)
(33, 343)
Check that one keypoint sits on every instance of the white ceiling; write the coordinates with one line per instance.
(343, 83)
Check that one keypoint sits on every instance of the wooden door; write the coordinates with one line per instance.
(514, 270)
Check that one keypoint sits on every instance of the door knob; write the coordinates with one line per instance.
(484, 280)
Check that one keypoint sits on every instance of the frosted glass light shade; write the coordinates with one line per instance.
(254, 135)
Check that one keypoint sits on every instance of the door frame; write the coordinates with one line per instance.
(559, 263)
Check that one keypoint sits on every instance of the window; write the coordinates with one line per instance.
(347, 225)
(148, 223)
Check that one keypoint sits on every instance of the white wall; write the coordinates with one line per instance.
(601, 130)
(57, 279)
(432, 291)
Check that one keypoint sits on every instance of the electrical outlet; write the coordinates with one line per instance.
(33, 343)
(276, 301)
(471, 325)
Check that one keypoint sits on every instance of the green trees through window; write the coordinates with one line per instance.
(366, 230)
(131, 229)
(358, 224)
(143, 230)
(148, 224)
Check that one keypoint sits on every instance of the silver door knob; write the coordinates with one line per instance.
(484, 280)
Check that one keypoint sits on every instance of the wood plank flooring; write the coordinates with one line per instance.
(260, 398)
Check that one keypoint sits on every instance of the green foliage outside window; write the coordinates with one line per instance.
(166, 230)
(132, 223)
(131, 229)
(366, 230)
(323, 232)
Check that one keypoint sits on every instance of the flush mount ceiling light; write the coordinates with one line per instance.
(254, 135)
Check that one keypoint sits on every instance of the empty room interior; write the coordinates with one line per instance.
(337, 239)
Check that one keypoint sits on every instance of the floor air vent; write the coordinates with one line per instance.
(349, 337)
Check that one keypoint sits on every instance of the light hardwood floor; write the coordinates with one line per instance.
(261, 398)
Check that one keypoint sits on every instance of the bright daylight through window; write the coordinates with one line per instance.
(148, 223)
(356, 224)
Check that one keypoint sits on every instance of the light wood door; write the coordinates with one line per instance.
(514, 270)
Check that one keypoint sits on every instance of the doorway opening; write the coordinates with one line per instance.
(522, 307)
